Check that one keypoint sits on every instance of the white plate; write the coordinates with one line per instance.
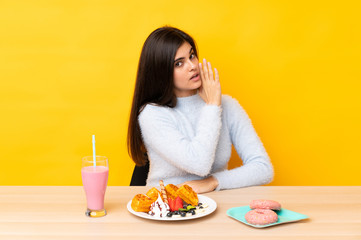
(212, 205)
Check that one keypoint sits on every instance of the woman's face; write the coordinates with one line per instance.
(186, 71)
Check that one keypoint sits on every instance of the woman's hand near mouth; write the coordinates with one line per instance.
(210, 91)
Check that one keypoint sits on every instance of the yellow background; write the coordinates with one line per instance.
(67, 71)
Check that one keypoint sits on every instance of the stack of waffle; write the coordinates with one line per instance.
(141, 203)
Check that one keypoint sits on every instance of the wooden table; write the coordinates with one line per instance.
(58, 213)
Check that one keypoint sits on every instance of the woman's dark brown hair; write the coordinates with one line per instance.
(154, 82)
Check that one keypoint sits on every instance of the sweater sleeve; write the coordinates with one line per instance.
(257, 168)
(162, 135)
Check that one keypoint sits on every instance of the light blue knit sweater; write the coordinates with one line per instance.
(194, 140)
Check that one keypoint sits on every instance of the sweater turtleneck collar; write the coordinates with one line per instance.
(189, 102)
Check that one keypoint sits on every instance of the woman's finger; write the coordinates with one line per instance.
(217, 75)
(205, 69)
(210, 71)
(201, 72)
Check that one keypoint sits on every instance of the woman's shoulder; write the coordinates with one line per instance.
(229, 102)
(152, 110)
(231, 108)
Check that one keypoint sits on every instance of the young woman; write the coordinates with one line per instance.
(182, 124)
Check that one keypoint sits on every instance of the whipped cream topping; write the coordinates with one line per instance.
(159, 208)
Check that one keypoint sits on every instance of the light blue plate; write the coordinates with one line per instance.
(284, 216)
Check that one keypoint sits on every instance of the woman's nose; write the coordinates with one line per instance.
(192, 66)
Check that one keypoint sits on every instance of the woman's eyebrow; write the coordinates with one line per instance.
(190, 51)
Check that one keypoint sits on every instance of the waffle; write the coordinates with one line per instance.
(188, 195)
(141, 203)
(153, 193)
(171, 191)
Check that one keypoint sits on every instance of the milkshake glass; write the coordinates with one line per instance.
(95, 178)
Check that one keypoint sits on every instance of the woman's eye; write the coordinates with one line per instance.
(192, 56)
(178, 64)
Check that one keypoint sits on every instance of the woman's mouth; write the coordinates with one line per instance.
(195, 77)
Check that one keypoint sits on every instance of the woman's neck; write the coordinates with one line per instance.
(181, 94)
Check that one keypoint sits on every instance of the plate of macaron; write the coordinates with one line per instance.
(263, 213)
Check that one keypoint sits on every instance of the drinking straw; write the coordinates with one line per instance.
(94, 151)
